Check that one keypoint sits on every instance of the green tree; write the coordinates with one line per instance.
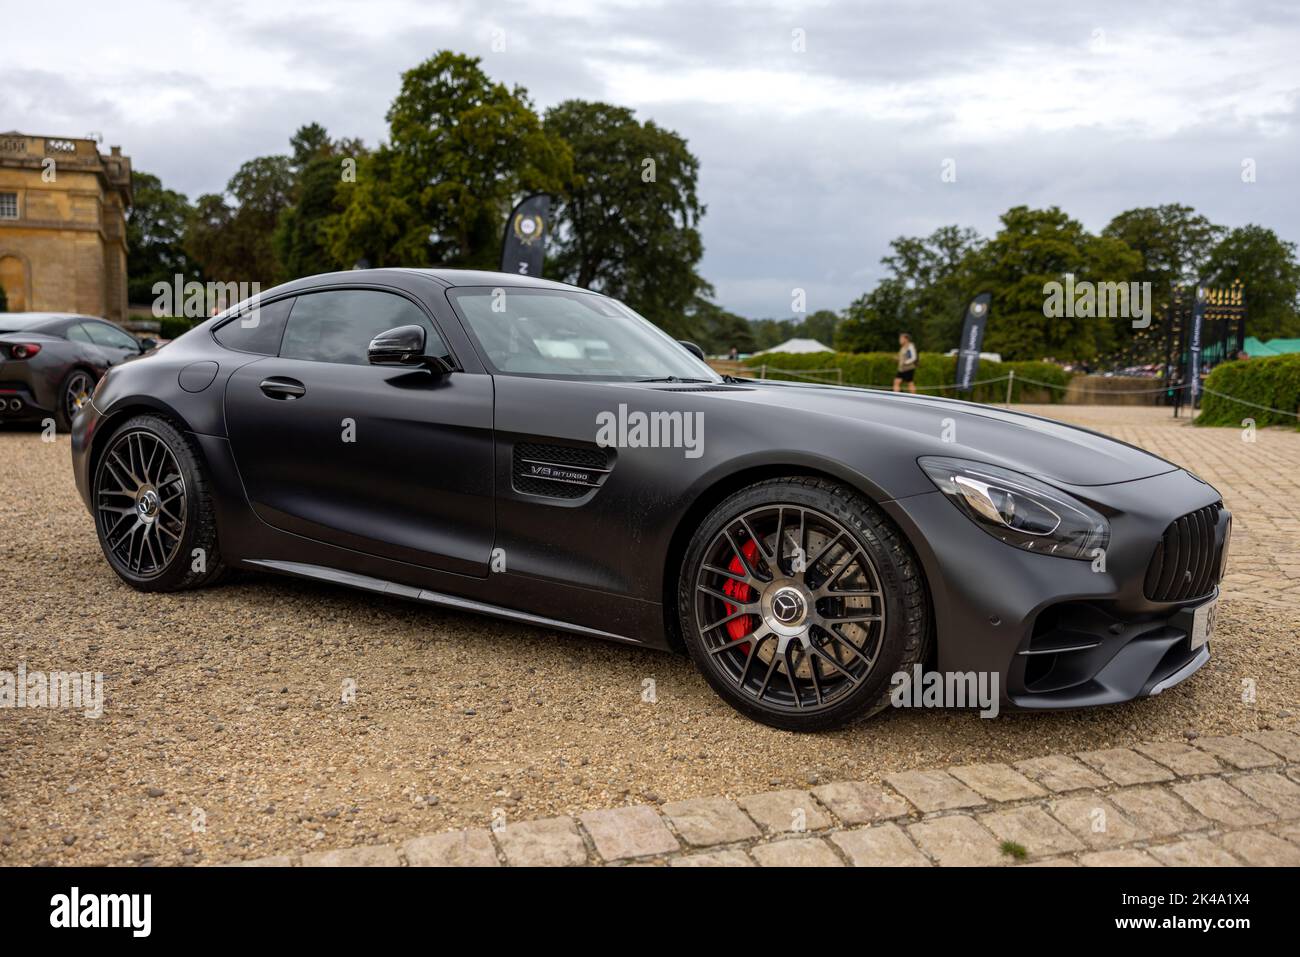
(1174, 241)
(628, 224)
(309, 142)
(321, 166)
(717, 330)
(935, 271)
(930, 282)
(233, 239)
(155, 230)
(1266, 266)
(209, 237)
(771, 332)
(873, 320)
(1036, 247)
(461, 149)
(820, 325)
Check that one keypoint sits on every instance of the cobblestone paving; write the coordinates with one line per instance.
(1226, 800)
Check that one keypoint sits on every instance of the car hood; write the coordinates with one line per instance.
(1044, 448)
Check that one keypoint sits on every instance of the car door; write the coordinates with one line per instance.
(390, 461)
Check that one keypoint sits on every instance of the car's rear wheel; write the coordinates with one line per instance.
(153, 511)
(73, 394)
(799, 601)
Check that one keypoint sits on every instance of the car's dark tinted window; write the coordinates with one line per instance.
(258, 330)
(338, 326)
(102, 334)
(77, 332)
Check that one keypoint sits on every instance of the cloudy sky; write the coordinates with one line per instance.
(811, 161)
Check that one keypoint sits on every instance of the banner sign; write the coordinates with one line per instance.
(972, 338)
(1194, 343)
(522, 246)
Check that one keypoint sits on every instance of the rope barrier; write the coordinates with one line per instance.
(1053, 385)
(1253, 405)
(1167, 388)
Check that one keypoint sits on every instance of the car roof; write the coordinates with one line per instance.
(444, 277)
(484, 277)
(25, 320)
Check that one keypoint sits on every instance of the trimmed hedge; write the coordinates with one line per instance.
(877, 370)
(1272, 382)
(172, 327)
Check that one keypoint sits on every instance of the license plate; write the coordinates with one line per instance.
(1203, 619)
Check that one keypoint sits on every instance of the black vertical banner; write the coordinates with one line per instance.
(972, 338)
(1194, 344)
(522, 247)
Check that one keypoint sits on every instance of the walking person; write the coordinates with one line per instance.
(907, 357)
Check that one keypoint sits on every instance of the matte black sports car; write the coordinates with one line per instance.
(49, 363)
(530, 450)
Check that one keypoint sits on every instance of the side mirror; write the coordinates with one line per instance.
(147, 344)
(404, 346)
(693, 349)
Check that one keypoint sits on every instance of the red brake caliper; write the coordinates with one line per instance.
(739, 627)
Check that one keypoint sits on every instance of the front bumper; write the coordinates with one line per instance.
(1061, 633)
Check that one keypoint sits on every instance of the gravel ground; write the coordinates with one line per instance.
(224, 735)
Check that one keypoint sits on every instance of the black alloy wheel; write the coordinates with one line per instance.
(799, 602)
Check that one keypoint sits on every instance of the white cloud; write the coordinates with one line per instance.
(810, 161)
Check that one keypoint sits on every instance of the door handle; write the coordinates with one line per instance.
(282, 388)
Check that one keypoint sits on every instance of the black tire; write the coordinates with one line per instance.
(182, 550)
(880, 633)
(82, 383)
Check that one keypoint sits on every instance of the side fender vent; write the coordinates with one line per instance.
(559, 471)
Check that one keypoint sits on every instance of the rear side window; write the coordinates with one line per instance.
(337, 326)
(258, 330)
(77, 333)
(106, 335)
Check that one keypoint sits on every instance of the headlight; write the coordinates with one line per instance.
(1019, 510)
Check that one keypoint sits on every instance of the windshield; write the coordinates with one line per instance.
(558, 333)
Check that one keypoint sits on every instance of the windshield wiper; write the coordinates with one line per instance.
(673, 378)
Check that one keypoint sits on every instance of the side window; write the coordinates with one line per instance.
(258, 331)
(77, 333)
(102, 334)
(338, 326)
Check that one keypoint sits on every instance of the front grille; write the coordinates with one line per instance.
(1186, 562)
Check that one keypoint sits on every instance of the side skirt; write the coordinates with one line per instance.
(380, 586)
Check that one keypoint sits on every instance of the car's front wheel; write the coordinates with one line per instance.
(799, 601)
(153, 511)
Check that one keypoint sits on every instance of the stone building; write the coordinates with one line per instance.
(63, 225)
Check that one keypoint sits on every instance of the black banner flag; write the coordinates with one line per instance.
(522, 247)
(972, 338)
(1194, 344)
